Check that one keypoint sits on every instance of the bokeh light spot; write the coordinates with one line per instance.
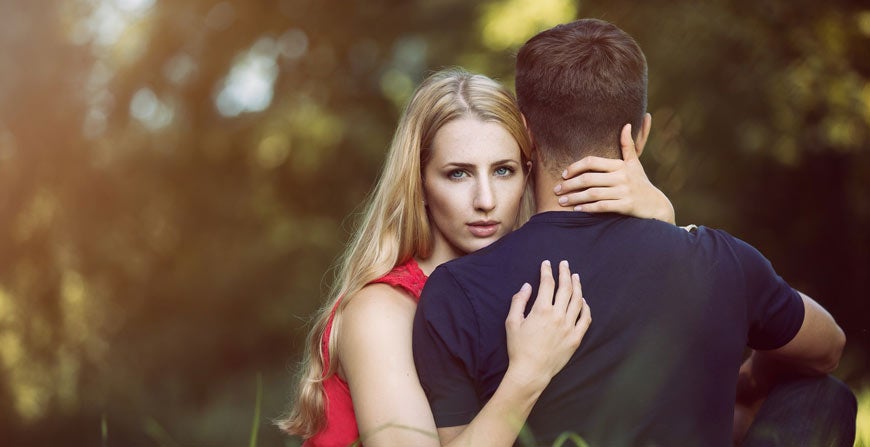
(179, 69)
(293, 44)
(249, 86)
(134, 6)
(38, 216)
(397, 86)
(153, 113)
(273, 150)
(220, 16)
(864, 22)
(510, 23)
(7, 308)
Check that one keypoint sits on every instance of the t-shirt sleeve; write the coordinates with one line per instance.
(775, 310)
(445, 334)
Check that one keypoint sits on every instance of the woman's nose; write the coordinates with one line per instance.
(484, 199)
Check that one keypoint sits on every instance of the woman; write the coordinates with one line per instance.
(455, 180)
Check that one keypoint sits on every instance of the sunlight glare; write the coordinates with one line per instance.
(134, 6)
(150, 110)
(249, 86)
(510, 23)
(179, 69)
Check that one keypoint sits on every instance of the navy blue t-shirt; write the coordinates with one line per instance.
(672, 312)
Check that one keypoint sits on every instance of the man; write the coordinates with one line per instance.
(674, 310)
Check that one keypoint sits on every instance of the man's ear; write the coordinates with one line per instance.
(643, 135)
(533, 155)
(528, 131)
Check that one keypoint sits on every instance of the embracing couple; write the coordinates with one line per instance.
(471, 359)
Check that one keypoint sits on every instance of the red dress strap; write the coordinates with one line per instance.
(341, 429)
(407, 276)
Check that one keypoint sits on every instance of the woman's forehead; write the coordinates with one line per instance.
(470, 140)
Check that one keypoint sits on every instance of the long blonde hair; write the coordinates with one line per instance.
(394, 225)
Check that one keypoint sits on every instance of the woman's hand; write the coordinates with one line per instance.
(540, 344)
(597, 185)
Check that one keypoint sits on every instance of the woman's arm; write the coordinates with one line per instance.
(391, 408)
(536, 354)
(597, 185)
(374, 348)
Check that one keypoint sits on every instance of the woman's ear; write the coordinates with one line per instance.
(423, 192)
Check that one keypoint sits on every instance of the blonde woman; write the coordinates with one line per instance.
(454, 181)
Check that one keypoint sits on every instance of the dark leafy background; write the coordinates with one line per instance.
(176, 178)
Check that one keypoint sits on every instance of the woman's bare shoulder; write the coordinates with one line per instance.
(380, 302)
(376, 324)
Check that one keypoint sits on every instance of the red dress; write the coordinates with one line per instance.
(341, 429)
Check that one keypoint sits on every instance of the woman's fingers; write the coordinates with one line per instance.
(593, 195)
(516, 314)
(565, 303)
(591, 163)
(576, 304)
(546, 288)
(583, 323)
(591, 179)
(626, 144)
(540, 343)
(565, 291)
(621, 206)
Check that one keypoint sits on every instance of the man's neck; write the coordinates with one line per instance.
(545, 198)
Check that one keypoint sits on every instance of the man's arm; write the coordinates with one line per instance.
(814, 350)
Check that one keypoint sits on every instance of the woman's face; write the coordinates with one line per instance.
(472, 184)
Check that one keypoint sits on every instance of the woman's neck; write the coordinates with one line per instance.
(441, 253)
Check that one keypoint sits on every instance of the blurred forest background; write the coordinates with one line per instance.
(176, 178)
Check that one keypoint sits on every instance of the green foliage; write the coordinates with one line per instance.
(157, 249)
(255, 429)
(862, 435)
(575, 440)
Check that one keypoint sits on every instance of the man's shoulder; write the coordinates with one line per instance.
(716, 236)
(495, 252)
(463, 277)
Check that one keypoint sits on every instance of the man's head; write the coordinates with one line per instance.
(578, 84)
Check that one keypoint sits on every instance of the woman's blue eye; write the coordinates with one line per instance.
(456, 174)
(503, 171)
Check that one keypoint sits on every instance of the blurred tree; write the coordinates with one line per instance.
(176, 177)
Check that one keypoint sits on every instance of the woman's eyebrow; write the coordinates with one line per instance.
(471, 165)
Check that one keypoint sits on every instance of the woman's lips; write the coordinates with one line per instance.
(483, 229)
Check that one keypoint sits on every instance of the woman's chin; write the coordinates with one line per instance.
(479, 243)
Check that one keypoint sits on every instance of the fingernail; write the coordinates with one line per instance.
(565, 174)
(576, 277)
(563, 200)
(578, 208)
(546, 263)
(526, 286)
(565, 262)
(557, 188)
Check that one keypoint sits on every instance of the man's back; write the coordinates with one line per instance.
(673, 312)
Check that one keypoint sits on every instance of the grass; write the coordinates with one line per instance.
(158, 434)
(862, 433)
(255, 429)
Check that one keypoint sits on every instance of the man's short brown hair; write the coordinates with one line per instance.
(578, 84)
